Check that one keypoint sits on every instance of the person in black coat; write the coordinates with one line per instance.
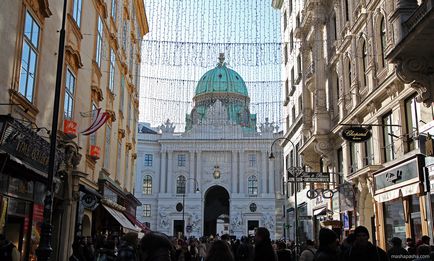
(362, 249)
(263, 249)
(156, 246)
(127, 250)
(328, 246)
(283, 254)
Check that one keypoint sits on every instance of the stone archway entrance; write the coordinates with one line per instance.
(216, 210)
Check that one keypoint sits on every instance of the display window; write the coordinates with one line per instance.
(394, 220)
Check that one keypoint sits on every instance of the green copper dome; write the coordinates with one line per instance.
(221, 79)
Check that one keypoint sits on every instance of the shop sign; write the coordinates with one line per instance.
(70, 128)
(356, 134)
(94, 152)
(398, 174)
(88, 201)
(25, 144)
(335, 202)
(346, 197)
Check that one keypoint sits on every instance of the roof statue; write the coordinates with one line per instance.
(268, 127)
(167, 127)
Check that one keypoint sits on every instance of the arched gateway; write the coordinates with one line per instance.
(216, 211)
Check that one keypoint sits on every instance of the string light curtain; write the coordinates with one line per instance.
(184, 42)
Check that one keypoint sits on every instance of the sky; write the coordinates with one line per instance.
(184, 41)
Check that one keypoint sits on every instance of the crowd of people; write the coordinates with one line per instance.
(156, 246)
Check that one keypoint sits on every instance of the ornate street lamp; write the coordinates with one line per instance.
(296, 172)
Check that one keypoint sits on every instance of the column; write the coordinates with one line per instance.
(234, 172)
(192, 180)
(264, 172)
(271, 172)
(163, 172)
(170, 183)
(241, 174)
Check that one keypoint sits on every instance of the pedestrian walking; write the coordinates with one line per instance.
(362, 249)
(328, 246)
(219, 251)
(155, 246)
(263, 248)
(283, 253)
(308, 254)
(127, 250)
(397, 252)
(244, 250)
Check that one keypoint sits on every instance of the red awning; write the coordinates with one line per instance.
(133, 219)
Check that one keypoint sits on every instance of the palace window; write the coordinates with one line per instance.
(181, 160)
(148, 160)
(146, 210)
(180, 185)
(147, 185)
(252, 186)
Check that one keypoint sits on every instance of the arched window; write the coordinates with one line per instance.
(252, 185)
(383, 41)
(147, 185)
(180, 185)
(364, 63)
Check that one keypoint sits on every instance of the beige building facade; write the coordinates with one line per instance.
(101, 72)
(349, 81)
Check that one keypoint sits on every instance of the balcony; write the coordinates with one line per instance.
(413, 33)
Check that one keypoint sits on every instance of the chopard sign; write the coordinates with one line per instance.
(356, 134)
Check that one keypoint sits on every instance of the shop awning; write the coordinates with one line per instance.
(396, 193)
(121, 219)
(139, 225)
(22, 163)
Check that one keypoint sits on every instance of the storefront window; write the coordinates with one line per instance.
(18, 224)
(394, 221)
(416, 222)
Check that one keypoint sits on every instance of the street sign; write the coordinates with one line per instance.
(305, 217)
(321, 177)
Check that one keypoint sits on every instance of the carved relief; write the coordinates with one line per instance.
(419, 73)
(41, 8)
(73, 58)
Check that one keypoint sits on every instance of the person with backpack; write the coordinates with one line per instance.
(283, 253)
(8, 251)
(308, 254)
(244, 250)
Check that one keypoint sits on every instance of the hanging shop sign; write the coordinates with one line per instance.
(94, 152)
(356, 134)
(70, 128)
